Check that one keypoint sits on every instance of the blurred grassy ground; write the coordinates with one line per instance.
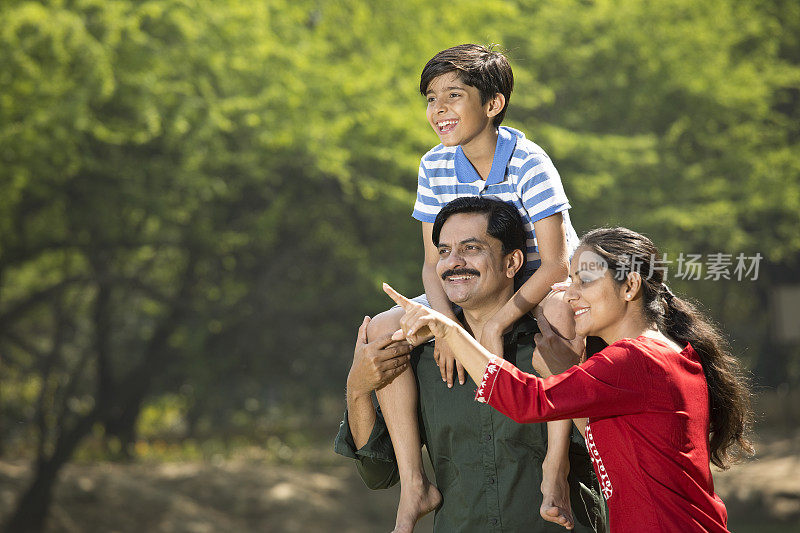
(247, 494)
(282, 487)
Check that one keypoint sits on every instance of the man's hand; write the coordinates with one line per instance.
(445, 360)
(377, 363)
(554, 354)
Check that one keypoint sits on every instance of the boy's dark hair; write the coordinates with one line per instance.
(504, 221)
(478, 66)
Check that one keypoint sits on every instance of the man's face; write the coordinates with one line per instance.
(472, 266)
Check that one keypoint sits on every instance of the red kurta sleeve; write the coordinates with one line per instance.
(613, 382)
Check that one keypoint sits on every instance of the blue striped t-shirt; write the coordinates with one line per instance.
(522, 174)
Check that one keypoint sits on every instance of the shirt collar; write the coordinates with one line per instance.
(524, 326)
(506, 143)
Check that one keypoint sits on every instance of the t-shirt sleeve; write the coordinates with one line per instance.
(540, 188)
(375, 461)
(427, 205)
(612, 382)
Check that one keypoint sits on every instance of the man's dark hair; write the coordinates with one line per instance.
(504, 222)
(476, 65)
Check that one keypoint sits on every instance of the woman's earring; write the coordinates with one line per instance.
(627, 296)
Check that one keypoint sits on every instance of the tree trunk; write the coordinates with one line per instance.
(33, 506)
(31, 511)
(123, 428)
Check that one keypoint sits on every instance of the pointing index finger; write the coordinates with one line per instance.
(398, 298)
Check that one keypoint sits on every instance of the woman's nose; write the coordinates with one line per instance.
(571, 293)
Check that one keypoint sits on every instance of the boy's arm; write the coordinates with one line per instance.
(439, 302)
(552, 244)
(430, 279)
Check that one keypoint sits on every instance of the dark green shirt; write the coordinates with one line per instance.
(488, 468)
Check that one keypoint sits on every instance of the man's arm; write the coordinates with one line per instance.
(360, 418)
(375, 364)
(363, 435)
(375, 461)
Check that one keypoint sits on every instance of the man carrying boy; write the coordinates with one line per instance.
(467, 88)
(488, 467)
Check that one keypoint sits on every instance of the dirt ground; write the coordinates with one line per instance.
(245, 495)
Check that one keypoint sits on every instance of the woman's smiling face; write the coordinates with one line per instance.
(597, 300)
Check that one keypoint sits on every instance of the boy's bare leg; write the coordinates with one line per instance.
(559, 314)
(555, 468)
(555, 489)
(398, 401)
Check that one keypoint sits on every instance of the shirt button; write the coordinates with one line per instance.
(491, 481)
(488, 438)
(494, 521)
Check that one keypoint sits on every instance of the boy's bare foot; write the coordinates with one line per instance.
(416, 500)
(555, 501)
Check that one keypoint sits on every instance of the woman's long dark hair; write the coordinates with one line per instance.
(730, 413)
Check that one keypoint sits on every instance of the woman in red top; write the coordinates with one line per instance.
(663, 400)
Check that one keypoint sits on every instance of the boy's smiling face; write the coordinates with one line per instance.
(455, 111)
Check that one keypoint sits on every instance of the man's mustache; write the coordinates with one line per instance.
(460, 272)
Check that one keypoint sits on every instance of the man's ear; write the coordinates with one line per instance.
(513, 263)
(495, 105)
(632, 286)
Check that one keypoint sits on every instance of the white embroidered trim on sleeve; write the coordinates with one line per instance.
(486, 387)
